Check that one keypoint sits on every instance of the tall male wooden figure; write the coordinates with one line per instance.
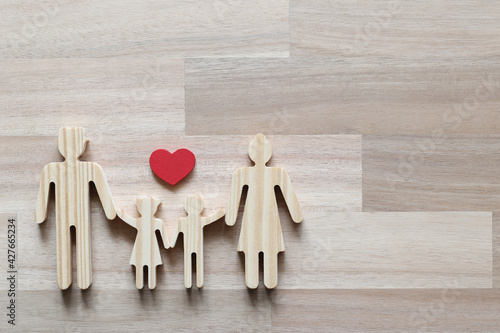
(71, 179)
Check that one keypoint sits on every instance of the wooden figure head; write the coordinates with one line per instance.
(146, 204)
(194, 205)
(260, 150)
(72, 142)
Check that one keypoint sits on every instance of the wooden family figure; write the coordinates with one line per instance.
(71, 179)
(146, 252)
(191, 227)
(260, 230)
(261, 227)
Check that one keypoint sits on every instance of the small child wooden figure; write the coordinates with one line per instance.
(191, 227)
(146, 250)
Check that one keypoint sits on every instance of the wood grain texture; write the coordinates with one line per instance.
(153, 28)
(431, 173)
(146, 251)
(71, 179)
(42, 95)
(355, 96)
(387, 250)
(128, 311)
(320, 95)
(409, 310)
(394, 28)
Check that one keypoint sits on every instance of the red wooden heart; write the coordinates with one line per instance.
(172, 168)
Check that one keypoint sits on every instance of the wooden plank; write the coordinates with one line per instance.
(408, 310)
(431, 173)
(394, 28)
(129, 175)
(105, 95)
(127, 311)
(387, 250)
(336, 96)
(61, 29)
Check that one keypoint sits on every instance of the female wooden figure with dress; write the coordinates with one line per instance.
(261, 228)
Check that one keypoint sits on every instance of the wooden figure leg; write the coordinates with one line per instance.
(188, 272)
(152, 277)
(64, 268)
(270, 270)
(139, 276)
(83, 256)
(199, 270)
(252, 269)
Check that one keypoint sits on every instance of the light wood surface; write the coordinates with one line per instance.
(394, 29)
(431, 173)
(332, 95)
(89, 92)
(154, 28)
(384, 114)
(382, 310)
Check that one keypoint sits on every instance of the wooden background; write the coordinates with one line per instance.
(386, 115)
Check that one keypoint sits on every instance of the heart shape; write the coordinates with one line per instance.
(172, 168)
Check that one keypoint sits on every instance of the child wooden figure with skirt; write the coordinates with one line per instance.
(146, 250)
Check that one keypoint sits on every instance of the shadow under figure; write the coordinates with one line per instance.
(261, 227)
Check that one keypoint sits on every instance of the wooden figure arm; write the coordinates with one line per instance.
(290, 197)
(177, 230)
(160, 225)
(215, 217)
(237, 184)
(43, 195)
(104, 192)
(132, 221)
